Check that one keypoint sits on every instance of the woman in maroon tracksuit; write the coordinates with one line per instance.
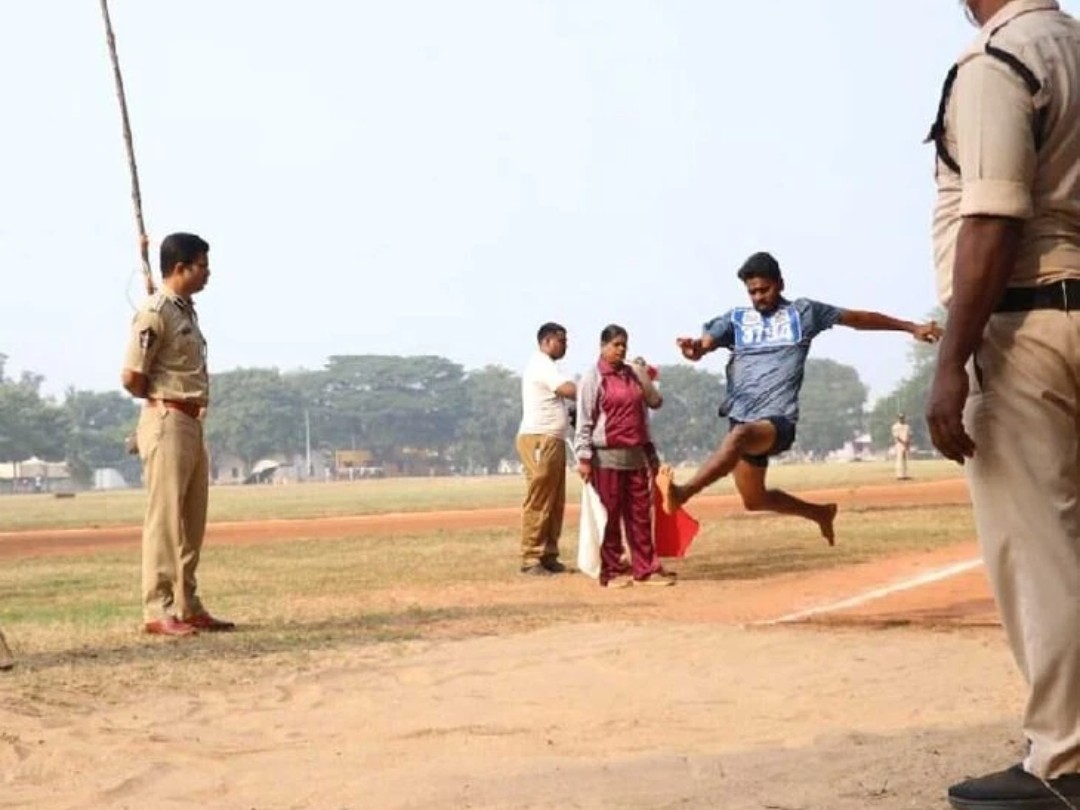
(616, 456)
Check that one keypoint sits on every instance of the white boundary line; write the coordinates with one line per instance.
(879, 593)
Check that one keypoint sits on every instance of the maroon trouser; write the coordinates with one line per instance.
(627, 497)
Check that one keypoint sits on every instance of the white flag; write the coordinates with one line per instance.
(590, 531)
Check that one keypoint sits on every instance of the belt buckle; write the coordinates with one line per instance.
(1065, 293)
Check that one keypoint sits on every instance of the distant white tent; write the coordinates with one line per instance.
(265, 465)
(109, 478)
(263, 471)
(33, 467)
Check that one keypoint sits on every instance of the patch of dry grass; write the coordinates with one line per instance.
(239, 503)
(73, 621)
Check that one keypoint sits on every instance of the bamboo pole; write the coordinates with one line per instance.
(136, 194)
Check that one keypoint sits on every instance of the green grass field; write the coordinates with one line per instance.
(238, 503)
(74, 619)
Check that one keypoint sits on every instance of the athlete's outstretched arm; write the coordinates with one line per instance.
(877, 322)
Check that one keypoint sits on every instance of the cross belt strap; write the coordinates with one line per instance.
(1027, 75)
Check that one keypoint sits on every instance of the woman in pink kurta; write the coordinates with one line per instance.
(616, 456)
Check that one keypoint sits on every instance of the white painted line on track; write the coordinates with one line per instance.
(879, 593)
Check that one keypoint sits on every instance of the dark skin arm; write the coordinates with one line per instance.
(135, 383)
(986, 251)
(696, 348)
(567, 390)
(877, 322)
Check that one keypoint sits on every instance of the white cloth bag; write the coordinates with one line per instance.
(591, 527)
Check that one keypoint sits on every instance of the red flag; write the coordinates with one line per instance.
(673, 533)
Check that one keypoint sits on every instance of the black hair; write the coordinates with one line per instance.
(548, 329)
(612, 331)
(181, 248)
(760, 265)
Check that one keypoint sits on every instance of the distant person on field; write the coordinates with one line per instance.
(901, 434)
(541, 445)
(616, 456)
(769, 342)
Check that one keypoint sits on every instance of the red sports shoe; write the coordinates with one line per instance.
(204, 621)
(170, 626)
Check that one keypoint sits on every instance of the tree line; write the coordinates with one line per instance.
(392, 405)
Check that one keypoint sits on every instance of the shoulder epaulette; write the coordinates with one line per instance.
(156, 302)
(1026, 74)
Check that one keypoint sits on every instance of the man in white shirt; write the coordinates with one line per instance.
(541, 444)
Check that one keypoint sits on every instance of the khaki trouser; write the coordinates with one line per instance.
(544, 458)
(1024, 416)
(901, 460)
(177, 473)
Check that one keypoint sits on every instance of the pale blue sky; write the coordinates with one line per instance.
(440, 177)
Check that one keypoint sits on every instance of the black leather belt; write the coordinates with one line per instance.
(1063, 295)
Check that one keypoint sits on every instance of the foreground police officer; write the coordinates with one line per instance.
(1006, 396)
(165, 364)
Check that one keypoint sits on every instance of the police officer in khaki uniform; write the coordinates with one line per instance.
(1005, 400)
(165, 364)
(901, 434)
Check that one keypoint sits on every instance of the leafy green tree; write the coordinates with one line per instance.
(254, 412)
(492, 414)
(30, 424)
(387, 403)
(831, 406)
(97, 424)
(687, 427)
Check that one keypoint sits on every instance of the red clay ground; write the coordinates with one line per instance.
(64, 541)
(959, 599)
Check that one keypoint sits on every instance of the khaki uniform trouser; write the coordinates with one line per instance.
(1024, 416)
(177, 477)
(544, 458)
(901, 460)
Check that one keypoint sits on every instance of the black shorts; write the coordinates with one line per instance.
(785, 437)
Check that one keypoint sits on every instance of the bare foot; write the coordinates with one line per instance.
(670, 497)
(825, 522)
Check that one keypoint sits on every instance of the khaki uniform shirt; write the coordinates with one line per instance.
(167, 346)
(901, 433)
(988, 131)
